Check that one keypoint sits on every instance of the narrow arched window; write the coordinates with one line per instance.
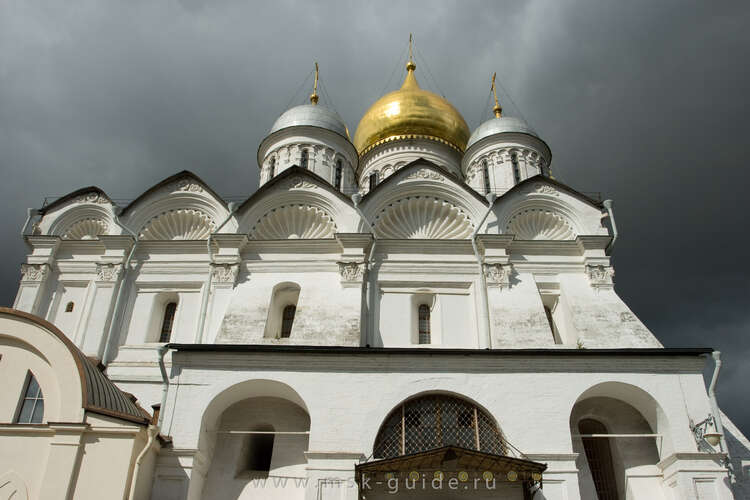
(31, 410)
(272, 168)
(303, 159)
(486, 175)
(69, 307)
(373, 180)
(168, 322)
(599, 458)
(424, 324)
(337, 175)
(287, 320)
(516, 169)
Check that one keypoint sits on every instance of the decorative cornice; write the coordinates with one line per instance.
(187, 184)
(297, 182)
(425, 174)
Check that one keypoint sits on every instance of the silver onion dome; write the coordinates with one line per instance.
(311, 115)
(498, 126)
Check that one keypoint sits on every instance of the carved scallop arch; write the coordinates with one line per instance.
(321, 206)
(540, 219)
(82, 222)
(407, 185)
(423, 217)
(293, 221)
(181, 210)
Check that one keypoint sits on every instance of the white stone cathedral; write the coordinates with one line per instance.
(419, 312)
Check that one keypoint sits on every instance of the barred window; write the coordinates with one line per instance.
(168, 322)
(32, 404)
(424, 324)
(303, 159)
(435, 421)
(69, 307)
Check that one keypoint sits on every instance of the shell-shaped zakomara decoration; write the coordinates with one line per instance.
(540, 224)
(423, 217)
(294, 222)
(86, 229)
(183, 224)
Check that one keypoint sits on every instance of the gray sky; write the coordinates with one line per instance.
(643, 101)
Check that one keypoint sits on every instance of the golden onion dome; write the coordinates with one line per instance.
(409, 113)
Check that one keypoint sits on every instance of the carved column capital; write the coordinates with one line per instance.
(225, 273)
(600, 277)
(351, 272)
(108, 271)
(498, 274)
(34, 273)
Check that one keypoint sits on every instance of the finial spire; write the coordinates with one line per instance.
(314, 95)
(498, 110)
(411, 66)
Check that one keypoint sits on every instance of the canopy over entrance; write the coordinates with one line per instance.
(450, 465)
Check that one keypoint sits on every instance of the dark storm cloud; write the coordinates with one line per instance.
(645, 102)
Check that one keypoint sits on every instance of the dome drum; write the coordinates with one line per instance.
(505, 158)
(317, 149)
(387, 158)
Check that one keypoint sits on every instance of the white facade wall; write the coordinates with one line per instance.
(532, 397)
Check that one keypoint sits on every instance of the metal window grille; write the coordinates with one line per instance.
(303, 159)
(69, 307)
(272, 168)
(516, 170)
(435, 421)
(287, 319)
(599, 457)
(486, 174)
(337, 180)
(424, 324)
(32, 406)
(168, 322)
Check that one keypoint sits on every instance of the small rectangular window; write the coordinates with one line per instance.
(373, 181)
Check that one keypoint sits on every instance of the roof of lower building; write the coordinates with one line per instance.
(100, 395)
